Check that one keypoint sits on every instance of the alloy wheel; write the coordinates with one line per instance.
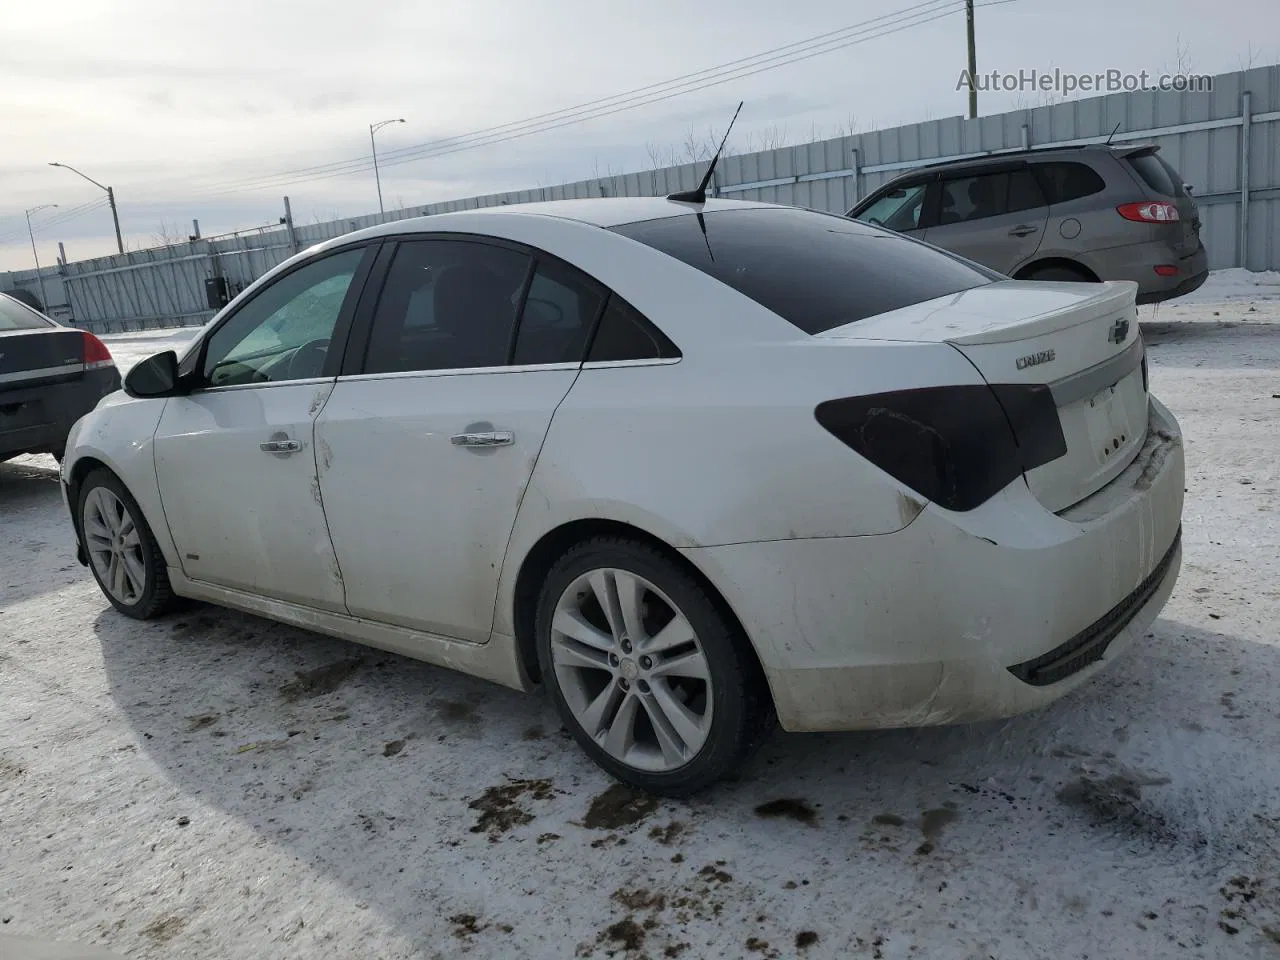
(114, 545)
(632, 670)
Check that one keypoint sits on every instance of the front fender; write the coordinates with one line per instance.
(120, 435)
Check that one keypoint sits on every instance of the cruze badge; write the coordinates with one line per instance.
(1119, 330)
(1035, 359)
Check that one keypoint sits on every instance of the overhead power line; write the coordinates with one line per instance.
(359, 164)
(61, 217)
(741, 68)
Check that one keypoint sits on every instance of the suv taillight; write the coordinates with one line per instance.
(96, 353)
(1149, 212)
(956, 446)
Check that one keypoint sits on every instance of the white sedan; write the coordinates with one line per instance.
(690, 466)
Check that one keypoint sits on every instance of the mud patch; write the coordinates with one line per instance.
(788, 807)
(498, 809)
(466, 925)
(619, 806)
(626, 933)
(392, 748)
(162, 931)
(712, 871)
(457, 714)
(805, 939)
(321, 680)
(641, 899)
(201, 721)
(533, 733)
(932, 822)
(1114, 796)
(888, 820)
(667, 835)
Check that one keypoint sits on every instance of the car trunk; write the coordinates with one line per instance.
(1081, 340)
(28, 357)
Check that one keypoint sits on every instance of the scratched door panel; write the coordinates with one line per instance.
(241, 516)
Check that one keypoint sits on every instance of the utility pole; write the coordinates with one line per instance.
(374, 128)
(111, 199)
(973, 61)
(44, 301)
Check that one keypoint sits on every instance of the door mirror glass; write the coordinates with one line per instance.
(156, 376)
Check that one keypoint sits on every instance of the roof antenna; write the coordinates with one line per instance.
(700, 194)
(1113, 133)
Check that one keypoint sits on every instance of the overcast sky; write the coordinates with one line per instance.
(173, 102)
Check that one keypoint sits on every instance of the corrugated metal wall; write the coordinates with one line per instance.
(1199, 133)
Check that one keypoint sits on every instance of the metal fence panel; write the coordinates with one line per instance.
(166, 285)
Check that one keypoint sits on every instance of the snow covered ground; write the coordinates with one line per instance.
(215, 786)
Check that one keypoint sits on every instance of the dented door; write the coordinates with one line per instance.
(422, 476)
(237, 474)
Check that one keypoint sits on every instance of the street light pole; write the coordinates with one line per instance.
(374, 128)
(44, 301)
(111, 199)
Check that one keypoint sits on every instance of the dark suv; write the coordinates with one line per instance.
(1090, 213)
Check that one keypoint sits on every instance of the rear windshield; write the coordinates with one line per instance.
(815, 270)
(1155, 173)
(15, 316)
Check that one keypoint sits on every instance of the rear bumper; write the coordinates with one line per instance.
(961, 617)
(37, 419)
(1138, 261)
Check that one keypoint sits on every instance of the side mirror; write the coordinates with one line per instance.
(156, 376)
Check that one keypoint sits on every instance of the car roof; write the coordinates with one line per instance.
(1008, 156)
(596, 211)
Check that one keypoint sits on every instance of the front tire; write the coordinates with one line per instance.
(652, 677)
(123, 554)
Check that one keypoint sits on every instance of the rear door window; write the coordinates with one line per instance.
(815, 270)
(15, 316)
(973, 198)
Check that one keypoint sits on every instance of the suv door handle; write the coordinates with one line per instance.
(1022, 230)
(494, 438)
(280, 446)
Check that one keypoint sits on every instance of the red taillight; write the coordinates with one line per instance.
(1149, 212)
(96, 353)
(1166, 270)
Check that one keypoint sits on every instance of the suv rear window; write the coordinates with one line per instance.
(815, 270)
(16, 316)
(1155, 173)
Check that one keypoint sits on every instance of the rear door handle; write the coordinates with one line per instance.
(493, 438)
(1022, 230)
(280, 446)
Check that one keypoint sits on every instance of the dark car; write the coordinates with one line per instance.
(1095, 212)
(50, 376)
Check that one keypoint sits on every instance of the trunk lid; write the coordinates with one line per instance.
(30, 357)
(1080, 339)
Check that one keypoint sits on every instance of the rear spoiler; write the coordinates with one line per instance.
(1137, 150)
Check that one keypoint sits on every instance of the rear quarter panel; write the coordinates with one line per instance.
(723, 447)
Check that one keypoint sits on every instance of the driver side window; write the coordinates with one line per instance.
(283, 333)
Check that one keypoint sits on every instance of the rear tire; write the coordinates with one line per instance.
(663, 693)
(123, 553)
(1059, 274)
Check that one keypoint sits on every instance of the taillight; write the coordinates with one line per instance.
(1149, 212)
(96, 353)
(1166, 269)
(956, 446)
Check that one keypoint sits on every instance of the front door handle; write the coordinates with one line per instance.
(493, 438)
(1022, 230)
(280, 446)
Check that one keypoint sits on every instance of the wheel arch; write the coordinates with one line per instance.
(1066, 263)
(559, 540)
